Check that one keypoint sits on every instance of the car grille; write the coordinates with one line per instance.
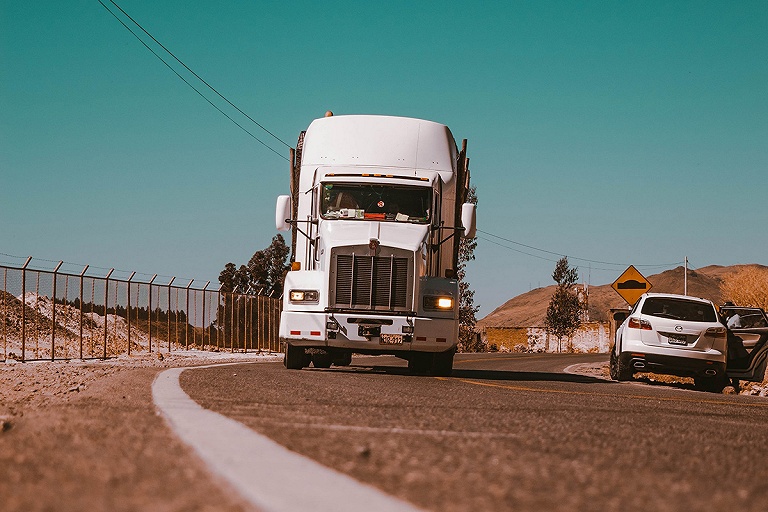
(371, 282)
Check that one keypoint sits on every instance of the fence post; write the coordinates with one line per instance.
(81, 310)
(128, 311)
(24, 309)
(186, 324)
(202, 343)
(168, 315)
(106, 309)
(5, 313)
(149, 313)
(219, 318)
(53, 313)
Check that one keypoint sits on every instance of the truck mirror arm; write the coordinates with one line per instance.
(312, 241)
(456, 230)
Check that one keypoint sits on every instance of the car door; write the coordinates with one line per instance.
(747, 343)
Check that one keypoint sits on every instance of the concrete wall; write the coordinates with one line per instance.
(591, 337)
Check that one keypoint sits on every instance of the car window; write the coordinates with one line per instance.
(748, 318)
(679, 309)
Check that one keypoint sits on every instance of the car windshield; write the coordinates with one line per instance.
(679, 309)
(376, 202)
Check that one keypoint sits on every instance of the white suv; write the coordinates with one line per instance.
(674, 335)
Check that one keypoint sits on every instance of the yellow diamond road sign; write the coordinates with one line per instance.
(631, 285)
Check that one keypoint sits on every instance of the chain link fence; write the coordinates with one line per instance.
(50, 311)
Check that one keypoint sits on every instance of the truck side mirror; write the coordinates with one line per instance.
(283, 212)
(468, 220)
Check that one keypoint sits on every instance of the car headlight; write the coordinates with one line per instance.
(304, 295)
(438, 302)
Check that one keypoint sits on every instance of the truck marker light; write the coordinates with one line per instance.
(314, 333)
(295, 333)
(421, 338)
(296, 265)
(441, 340)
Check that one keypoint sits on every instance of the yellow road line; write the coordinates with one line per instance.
(515, 358)
(607, 395)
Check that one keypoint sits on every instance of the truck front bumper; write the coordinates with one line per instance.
(310, 329)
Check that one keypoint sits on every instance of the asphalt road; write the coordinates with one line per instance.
(506, 432)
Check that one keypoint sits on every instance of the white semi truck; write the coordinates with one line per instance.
(376, 210)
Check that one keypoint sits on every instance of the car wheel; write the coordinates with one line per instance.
(295, 358)
(614, 366)
(619, 371)
(710, 384)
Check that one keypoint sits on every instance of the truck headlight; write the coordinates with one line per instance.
(304, 295)
(438, 302)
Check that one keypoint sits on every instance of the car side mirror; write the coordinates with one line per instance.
(468, 220)
(283, 213)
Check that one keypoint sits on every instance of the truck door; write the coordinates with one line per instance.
(747, 342)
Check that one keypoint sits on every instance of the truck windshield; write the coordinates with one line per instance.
(376, 202)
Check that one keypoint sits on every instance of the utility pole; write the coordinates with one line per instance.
(685, 279)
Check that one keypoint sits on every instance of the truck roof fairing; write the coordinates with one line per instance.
(396, 143)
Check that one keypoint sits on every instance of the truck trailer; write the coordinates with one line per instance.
(376, 212)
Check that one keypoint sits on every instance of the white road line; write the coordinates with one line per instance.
(268, 475)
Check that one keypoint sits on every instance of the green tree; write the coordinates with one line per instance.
(469, 341)
(265, 271)
(565, 308)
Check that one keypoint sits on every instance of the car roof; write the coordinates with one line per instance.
(677, 296)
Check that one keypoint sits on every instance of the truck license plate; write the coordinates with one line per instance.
(391, 339)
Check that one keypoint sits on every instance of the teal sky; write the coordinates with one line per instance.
(619, 132)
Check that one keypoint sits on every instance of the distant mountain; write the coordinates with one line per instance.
(530, 309)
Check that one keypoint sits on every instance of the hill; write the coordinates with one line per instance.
(529, 309)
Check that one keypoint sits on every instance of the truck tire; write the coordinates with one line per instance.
(442, 364)
(322, 360)
(343, 358)
(295, 358)
(419, 363)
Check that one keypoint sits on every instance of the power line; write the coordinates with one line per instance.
(193, 87)
(656, 265)
(199, 77)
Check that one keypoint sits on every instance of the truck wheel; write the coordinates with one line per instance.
(442, 364)
(343, 359)
(322, 360)
(419, 363)
(295, 358)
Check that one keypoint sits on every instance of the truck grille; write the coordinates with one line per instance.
(371, 282)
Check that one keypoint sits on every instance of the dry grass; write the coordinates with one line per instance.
(747, 287)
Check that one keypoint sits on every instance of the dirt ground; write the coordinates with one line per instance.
(84, 435)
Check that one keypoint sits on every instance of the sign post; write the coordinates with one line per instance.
(631, 284)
